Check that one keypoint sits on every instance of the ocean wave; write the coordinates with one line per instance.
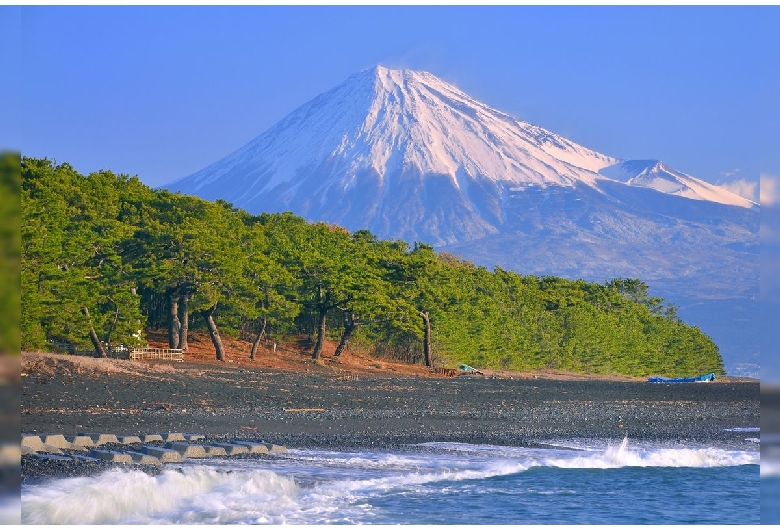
(185, 495)
(324, 487)
(626, 456)
(571, 455)
(207, 495)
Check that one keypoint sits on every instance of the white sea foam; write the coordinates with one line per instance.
(321, 487)
(624, 455)
(205, 495)
(603, 456)
(188, 495)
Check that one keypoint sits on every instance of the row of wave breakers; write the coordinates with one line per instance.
(175, 447)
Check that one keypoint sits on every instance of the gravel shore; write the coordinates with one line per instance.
(318, 409)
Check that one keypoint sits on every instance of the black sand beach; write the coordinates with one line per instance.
(322, 408)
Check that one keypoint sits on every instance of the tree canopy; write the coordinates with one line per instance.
(105, 257)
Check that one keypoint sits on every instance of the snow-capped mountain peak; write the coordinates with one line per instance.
(439, 129)
(390, 121)
(407, 155)
(656, 175)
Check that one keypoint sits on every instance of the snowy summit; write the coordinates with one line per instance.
(407, 155)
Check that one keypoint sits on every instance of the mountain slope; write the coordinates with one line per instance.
(389, 121)
(408, 156)
(655, 175)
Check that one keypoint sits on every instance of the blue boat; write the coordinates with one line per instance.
(699, 379)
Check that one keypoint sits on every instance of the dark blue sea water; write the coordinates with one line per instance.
(589, 482)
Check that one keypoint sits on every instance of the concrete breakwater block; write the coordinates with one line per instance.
(46, 448)
(273, 448)
(233, 449)
(214, 450)
(187, 450)
(165, 455)
(27, 450)
(146, 438)
(253, 447)
(59, 441)
(32, 441)
(100, 438)
(172, 437)
(35, 443)
(193, 437)
(143, 458)
(111, 456)
(129, 439)
(83, 441)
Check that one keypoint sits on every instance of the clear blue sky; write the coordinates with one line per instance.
(161, 92)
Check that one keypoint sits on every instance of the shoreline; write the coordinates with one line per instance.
(326, 408)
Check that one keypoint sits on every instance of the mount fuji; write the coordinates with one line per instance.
(408, 156)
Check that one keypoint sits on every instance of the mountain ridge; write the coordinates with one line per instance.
(387, 125)
(408, 156)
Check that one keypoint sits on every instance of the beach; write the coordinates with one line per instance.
(373, 442)
(323, 407)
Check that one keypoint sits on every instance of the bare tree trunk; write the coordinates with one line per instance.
(184, 321)
(350, 325)
(208, 316)
(113, 324)
(174, 324)
(320, 335)
(257, 340)
(427, 342)
(100, 351)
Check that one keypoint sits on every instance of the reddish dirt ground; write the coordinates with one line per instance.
(296, 356)
(293, 356)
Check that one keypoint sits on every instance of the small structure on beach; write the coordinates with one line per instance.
(169, 354)
(699, 379)
(469, 370)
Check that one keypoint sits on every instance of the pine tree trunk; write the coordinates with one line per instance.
(184, 322)
(100, 351)
(257, 340)
(208, 316)
(320, 336)
(174, 324)
(349, 328)
(113, 324)
(427, 340)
